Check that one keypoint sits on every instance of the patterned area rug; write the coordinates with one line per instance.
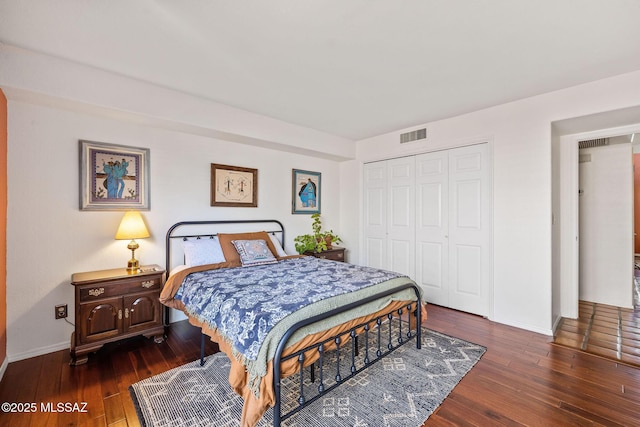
(403, 389)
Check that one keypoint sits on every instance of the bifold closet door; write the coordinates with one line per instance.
(453, 228)
(469, 229)
(428, 216)
(432, 226)
(375, 214)
(401, 211)
(389, 215)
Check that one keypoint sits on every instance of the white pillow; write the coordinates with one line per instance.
(202, 251)
(278, 245)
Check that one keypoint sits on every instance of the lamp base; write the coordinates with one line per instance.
(133, 265)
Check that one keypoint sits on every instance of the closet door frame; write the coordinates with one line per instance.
(488, 263)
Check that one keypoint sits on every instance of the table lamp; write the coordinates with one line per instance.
(132, 227)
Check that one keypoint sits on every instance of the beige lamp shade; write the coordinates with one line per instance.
(132, 227)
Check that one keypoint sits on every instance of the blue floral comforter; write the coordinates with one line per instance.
(245, 303)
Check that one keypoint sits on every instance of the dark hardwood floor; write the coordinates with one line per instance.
(523, 379)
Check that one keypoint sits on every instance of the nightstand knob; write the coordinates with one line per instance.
(120, 314)
(147, 284)
(126, 313)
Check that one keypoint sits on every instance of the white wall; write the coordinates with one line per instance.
(606, 225)
(53, 103)
(49, 238)
(37, 78)
(520, 134)
(556, 268)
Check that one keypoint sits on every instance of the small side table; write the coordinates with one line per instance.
(335, 254)
(111, 305)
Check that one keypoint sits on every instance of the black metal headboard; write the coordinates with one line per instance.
(199, 229)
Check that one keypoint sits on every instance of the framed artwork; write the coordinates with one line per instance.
(113, 177)
(305, 198)
(234, 186)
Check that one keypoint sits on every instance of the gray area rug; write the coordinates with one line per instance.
(402, 389)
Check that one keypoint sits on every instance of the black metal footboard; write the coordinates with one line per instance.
(381, 336)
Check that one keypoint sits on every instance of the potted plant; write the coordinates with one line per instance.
(318, 241)
(305, 243)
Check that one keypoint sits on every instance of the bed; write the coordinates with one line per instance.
(293, 327)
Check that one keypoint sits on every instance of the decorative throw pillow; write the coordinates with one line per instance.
(202, 251)
(231, 253)
(254, 252)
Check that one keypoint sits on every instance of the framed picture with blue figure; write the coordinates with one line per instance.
(306, 192)
(113, 177)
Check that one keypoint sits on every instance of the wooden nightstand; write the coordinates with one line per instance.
(114, 304)
(335, 254)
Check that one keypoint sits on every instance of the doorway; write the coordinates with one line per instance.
(602, 247)
(566, 224)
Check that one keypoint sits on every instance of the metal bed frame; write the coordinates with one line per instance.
(378, 334)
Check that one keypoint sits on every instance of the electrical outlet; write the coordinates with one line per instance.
(61, 311)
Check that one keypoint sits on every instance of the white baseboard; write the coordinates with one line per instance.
(3, 367)
(526, 327)
(38, 351)
(555, 325)
(176, 315)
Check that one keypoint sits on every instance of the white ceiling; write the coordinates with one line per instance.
(353, 68)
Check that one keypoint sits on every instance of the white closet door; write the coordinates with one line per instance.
(432, 226)
(401, 215)
(375, 214)
(429, 217)
(469, 229)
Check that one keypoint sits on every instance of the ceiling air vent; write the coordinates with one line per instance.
(413, 136)
(590, 143)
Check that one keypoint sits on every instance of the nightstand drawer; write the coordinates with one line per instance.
(118, 288)
(334, 254)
